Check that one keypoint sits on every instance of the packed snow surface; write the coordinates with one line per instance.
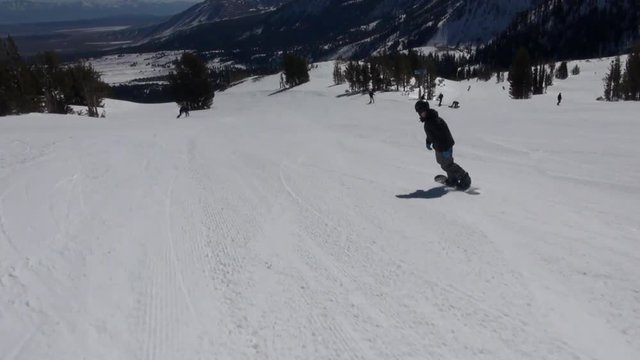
(307, 225)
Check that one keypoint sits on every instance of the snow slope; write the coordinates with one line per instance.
(304, 225)
(125, 68)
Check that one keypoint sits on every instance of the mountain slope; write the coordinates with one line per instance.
(210, 11)
(568, 29)
(479, 21)
(304, 225)
(328, 28)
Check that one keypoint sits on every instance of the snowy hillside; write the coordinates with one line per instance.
(306, 225)
(124, 68)
(328, 29)
(478, 20)
(209, 11)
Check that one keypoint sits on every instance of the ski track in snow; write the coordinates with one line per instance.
(291, 229)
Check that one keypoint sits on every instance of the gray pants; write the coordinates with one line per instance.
(445, 159)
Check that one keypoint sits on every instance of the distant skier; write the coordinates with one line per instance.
(183, 110)
(439, 139)
(469, 88)
(440, 97)
(559, 99)
(371, 99)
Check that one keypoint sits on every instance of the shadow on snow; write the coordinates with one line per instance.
(435, 193)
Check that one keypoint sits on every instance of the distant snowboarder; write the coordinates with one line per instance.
(439, 139)
(371, 99)
(455, 104)
(183, 110)
(559, 99)
(440, 97)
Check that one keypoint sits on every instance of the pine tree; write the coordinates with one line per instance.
(295, 69)
(5, 82)
(54, 84)
(548, 80)
(535, 88)
(191, 83)
(562, 73)
(608, 84)
(338, 76)
(520, 76)
(631, 77)
(350, 74)
(616, 80)
(430, 77)
(575, 70)
(377, 81)
(542, 79)
(612, 81)
(365, 78)
(22, 88)
(85, 87)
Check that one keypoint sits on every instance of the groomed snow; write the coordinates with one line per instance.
(303, 225)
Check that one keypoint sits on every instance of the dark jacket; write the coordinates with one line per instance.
(437, 132)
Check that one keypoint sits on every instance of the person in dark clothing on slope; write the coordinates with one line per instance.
(440, 97)
(371, 99)
(559, 99)
(439, 139)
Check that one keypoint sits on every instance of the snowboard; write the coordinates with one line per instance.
(442, 179)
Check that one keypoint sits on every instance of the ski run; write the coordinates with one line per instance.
(306, 224)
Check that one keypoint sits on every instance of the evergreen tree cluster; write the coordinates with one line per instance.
(296, 69)
(394, 71)
(526, 79)
(191, 82)
(624, 84)
(46, 85)
(565, 29)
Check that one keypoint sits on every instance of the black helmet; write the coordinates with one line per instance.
(421, 106)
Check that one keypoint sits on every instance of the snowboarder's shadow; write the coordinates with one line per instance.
(433, 193)
(436, 192)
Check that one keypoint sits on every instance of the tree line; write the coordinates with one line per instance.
(397, 70)
(526, 78)
(45, 85)
(624, 84)
(192, 83)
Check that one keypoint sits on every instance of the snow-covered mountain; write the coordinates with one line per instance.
(478, 21)
(568, 29)
(328, 28)
(211, 11)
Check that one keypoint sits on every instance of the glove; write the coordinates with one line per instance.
(429, 146)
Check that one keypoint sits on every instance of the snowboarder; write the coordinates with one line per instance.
(440, 97)
(183, 110)
(559, 99)
(439, 139)
(371, 99)
(455, 104)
